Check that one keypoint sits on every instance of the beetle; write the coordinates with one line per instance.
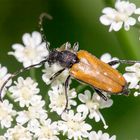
(84, 67)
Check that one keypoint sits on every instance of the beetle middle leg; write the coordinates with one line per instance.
(66, 92)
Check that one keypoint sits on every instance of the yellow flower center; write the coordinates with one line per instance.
(26, 93)
(75, 126)
(30, 52)
(47, 132)
(3, 113)
(61, 100)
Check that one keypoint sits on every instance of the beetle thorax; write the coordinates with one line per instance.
(65, 58)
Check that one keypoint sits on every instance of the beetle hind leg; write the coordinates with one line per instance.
(129, 62)
(100, 94)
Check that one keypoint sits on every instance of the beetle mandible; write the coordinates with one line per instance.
(83, 67)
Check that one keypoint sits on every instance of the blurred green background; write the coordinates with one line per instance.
(76, 20)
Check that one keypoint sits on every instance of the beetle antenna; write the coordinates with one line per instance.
(18, 72)
(41, 19)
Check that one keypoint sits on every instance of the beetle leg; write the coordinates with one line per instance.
(18, 72)
(100, 94)
(66, 91)
(114, 62)
(57, 74)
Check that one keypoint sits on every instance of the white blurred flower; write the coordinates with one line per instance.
(47, 131)
(32, 52)
(74, 125)
(18, 133)
(92, 104)
(137, 11)
(49, 71)
(100, 136)
(3, 77)
(120, 16)
(58, 98)
(6, 114)
(107, 58)
(24, 91)
(2, 138)
(35, 114)
(132, 75)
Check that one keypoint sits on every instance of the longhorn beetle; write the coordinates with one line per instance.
(82, 66)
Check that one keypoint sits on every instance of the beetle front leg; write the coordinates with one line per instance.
(57, 74)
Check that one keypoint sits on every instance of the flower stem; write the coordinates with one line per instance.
(137, 26)
(32, 73)
(80, 88)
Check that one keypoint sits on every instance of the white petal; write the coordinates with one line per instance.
(82, 108)
(36, 37)
(116, 26)
(108, 11)
(137, 11)
(3, 72)
(82, 98)
(26, 39)
(106, 57)
(87, 94)
(130, 9)
(139, 18)
(18, 47)
(131, 21)
(105, 20)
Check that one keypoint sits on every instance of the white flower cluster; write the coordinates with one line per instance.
(124, 14)
(29, 116)
(132, 76)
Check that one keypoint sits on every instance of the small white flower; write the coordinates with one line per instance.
(137, 11)
(132, 75)
(121, 15)
(58, 98)
(18, 133)
(92, 104)
(34, 113)
(107, 58)
(49, 71)
(3, 77)
(32, 52)
(6, 114)
(47, 131)
(100, 136)
(74, 125)
(24, 91)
